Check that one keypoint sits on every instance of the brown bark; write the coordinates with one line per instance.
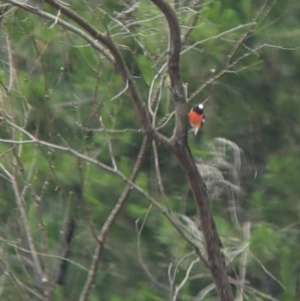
(182, 152)
(212, 241)
(177, 144)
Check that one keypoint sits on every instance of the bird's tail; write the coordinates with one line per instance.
(196, 129)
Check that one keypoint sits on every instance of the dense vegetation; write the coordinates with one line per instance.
(71, 138)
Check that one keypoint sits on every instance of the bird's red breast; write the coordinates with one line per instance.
(196, 117)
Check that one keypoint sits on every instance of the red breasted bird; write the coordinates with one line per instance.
(196, 117)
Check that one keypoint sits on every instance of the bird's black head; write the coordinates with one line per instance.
(199, 108)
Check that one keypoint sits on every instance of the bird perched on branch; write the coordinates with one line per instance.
(196, 117)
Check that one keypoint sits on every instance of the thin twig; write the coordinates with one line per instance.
(21, 206)
(230, 66)
(218, 36)
(185, 279)
(109, 221)
(10, 63)
(110, 148)
(56, 20)
(120, 93)
(125, 27)
(172, 276)
(35, 10)
(85, 203)
(45, 255)
(159, 177)
(192, 24)
(120, 64)
(243, 266)
(141, 260)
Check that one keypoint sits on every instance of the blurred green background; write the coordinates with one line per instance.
(247, 152)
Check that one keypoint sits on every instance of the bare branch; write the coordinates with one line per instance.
(109, 221)
(177, 89)
(185, 279)
(172, 276)
(85, 204)
(242, 272)
(35, 10)
(165, 121)
(67, 149)
(118, 62)
(120, 93)
(42, 278)
(159, 177)
(218, 36)
(68, 234)
(46, 255)
(266, 270)
(184, 157)
(125, 27)
(141, 260)
(195, 16)
(111, 153)
(33, 292)
(235, 62)
(204, 292)
(10, 63)
(177, 145)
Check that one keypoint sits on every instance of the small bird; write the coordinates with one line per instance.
(196, 117)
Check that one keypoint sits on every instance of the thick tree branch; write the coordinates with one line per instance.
(178, 147)
(113, 56)
(180, 133)
(186, 160)
(212, 240)
(120, 66)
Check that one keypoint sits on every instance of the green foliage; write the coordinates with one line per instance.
(66, 94)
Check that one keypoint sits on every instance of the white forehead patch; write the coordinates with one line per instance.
(200, 106)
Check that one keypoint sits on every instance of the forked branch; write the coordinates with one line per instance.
(177, 89)
(182, 152)
(177, 145)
